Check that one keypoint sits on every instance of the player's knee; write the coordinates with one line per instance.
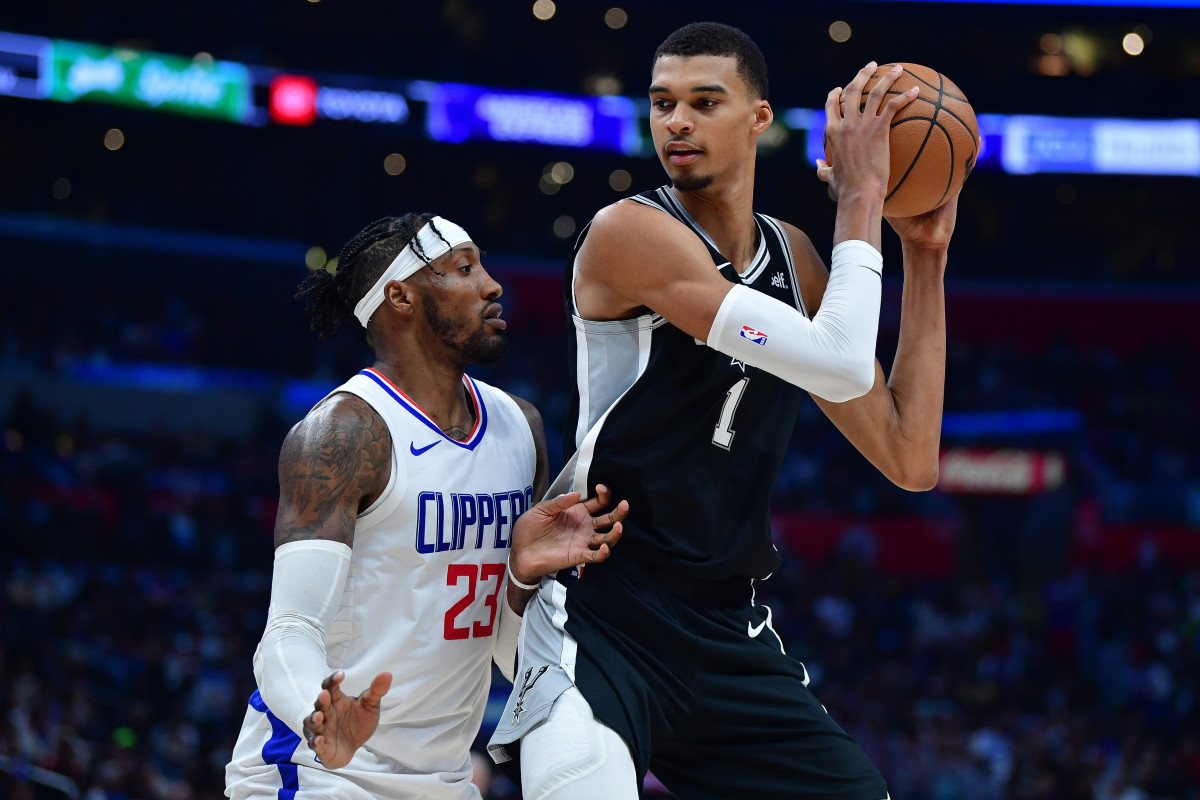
(572, 755)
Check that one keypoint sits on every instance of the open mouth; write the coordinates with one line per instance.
(491, 315)
(682, 152)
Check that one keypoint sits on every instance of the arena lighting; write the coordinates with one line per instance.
(293, 100)
(39, 68)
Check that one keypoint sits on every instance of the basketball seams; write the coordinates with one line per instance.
(941, 88)
(916, 157)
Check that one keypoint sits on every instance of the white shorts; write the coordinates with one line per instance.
(271, 761)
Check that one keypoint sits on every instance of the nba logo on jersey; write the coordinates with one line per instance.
(758, 337)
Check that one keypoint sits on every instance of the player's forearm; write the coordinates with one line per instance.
(508, 629)
(860, 216)
(518, 598)
(307, 583)
(918, 376)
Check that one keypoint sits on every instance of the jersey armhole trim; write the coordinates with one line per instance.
(790, 258)
(393, 479)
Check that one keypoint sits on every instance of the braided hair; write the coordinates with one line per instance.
(330, 298)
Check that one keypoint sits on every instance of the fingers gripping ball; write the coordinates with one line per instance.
(934, 141)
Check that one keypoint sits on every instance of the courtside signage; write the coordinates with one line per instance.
(83, 72)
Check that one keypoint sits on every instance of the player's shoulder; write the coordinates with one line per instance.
(518, 407)
(527, 408)
(639, 233)
(630, 218)
(341, 418)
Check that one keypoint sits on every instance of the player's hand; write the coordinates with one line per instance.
(931, 229)
(341, 724)
(564, 532)
(856, 139)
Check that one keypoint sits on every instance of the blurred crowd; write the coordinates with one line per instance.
(136, 572)
(127, 671)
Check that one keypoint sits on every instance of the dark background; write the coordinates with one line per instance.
(151, 360)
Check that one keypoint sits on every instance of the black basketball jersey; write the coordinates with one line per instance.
(692, 438)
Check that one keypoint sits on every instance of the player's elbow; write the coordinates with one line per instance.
(848, 381)
(916, 477)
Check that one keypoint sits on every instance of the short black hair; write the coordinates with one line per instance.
(715, 39)
(332, 297)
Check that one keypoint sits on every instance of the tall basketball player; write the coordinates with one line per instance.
(699, 325)
(401, 495)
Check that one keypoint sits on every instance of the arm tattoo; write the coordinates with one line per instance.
(338, 456)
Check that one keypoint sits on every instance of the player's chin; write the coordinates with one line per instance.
(488, 348)
(685, 181)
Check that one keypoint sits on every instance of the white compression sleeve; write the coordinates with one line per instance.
(504, 648)
(306, 593)
(832, 355)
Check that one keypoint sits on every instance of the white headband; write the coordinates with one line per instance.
(408, 262)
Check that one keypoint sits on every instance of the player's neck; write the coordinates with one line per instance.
(726, 212)
(436, 387)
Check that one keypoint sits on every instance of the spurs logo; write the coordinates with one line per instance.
(527, 682)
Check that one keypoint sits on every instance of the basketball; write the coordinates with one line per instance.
(934, 141)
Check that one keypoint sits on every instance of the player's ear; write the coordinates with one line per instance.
(399, 296)
(763, 116)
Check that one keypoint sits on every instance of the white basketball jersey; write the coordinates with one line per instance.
(425, 588)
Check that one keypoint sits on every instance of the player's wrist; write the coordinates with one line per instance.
(924, 255)
(863, 194)
(860, 216)
(517, 579)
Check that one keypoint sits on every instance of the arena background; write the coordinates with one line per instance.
(168, 172)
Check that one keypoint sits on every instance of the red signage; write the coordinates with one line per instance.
(293, 100)
(982, 471)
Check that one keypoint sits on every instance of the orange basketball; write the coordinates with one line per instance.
(934, 141)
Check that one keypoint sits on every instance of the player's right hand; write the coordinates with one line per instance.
(341, 724)
(856, 133)
(564, 532)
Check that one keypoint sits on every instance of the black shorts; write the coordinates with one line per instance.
(696, 681)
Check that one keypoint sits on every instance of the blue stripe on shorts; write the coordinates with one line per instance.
(279, 749)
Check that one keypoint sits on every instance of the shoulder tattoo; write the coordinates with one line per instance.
(333, 461)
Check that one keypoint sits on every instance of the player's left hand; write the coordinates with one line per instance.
(931, 229)
(564, 532)
(340, 724)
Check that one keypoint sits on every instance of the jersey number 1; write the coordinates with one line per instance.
(723, 433)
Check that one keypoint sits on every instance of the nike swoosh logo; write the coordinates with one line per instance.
(753, 631)
(416, 452)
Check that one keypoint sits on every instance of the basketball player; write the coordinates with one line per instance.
(699, 324)
(400, 495)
